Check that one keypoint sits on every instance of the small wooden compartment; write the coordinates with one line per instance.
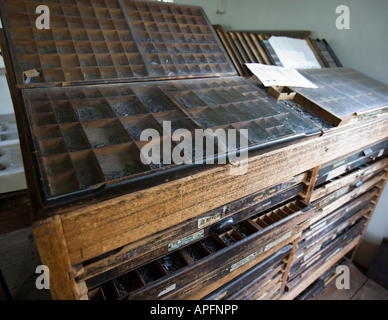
(282, 93)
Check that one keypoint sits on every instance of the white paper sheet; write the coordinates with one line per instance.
(294, 53)
(278, 76)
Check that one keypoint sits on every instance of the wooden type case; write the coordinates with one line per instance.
(84, 118)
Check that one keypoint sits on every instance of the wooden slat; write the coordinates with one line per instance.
(52, 247)
(260, 48)
(230, 50)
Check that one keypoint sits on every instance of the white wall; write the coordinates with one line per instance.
(6, 106)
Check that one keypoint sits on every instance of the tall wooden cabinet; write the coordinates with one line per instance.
(109, 226)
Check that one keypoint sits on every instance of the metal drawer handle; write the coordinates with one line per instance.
(222, 225)
(357, 184)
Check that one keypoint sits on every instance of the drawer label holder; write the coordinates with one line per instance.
(243, 261)
(181, 242)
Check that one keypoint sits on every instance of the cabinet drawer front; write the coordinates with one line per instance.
(325, 223)
(352, 161)
(191, 271)
(329, 250)
(270, 291)
(308, 249)
(344, 195)
(150, 248)
(306, 246)
(246, 283)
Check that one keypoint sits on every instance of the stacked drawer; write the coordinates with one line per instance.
(344, 198)
(320, 284)
(262, 282)
(150, 248)
(353, 161)
(233, 240)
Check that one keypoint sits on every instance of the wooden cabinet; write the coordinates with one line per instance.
(112, 227)
(272, 244)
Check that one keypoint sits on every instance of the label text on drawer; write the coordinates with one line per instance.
(336, 165)
(277, 241)
(179, 243)
(243, 261)
(206, 221)
(167, 290)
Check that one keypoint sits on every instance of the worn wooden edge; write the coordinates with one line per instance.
(317, 53)
(51, 243)
(310, 183)
(289, 263)
(319, 111)
(22, 130)
(111, 224)
(158, 243)
(290, 295)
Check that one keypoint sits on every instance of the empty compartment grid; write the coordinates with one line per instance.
(167, 31)
(76, 28)
(120, 161)
(86, 27)
(109, 121)
(104, 133)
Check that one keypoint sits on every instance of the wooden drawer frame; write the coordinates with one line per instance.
(173, 239)
(57, 244)
(351, 161)
(254, 278)
(328, 253)
(358, 176)
(196, 279)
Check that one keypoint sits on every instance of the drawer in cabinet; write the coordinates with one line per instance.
(170, 240)
(320, 284)
(321, 222)
(249, 281)
(348, 193)
(269, 290)
(352, 161)
(199, 268)
(352, 179)
(307, 248)
(329, 249)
